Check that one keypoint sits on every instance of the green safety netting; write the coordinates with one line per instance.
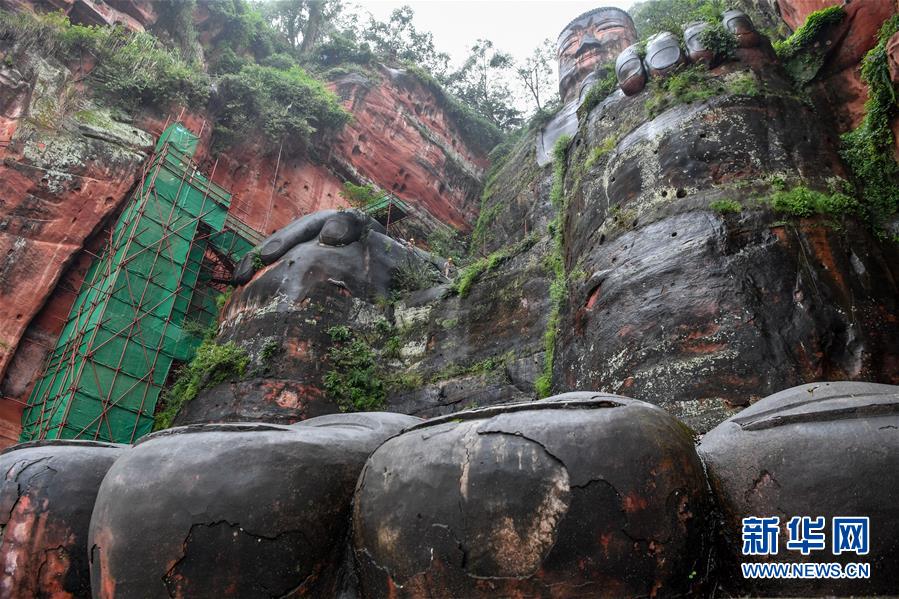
(140, 305)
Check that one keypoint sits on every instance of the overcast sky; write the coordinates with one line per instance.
(514, 26)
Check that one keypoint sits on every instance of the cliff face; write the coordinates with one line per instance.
(668, 298)
(675, 302)
(401, 139)
(68, 168)
(62, 175)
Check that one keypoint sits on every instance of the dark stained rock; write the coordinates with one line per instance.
(822, 449)
(702, 311)
(584, 494)
(326, 269)
(46, 499)
(259, 399)
(299, 231)
(739, 23)
(248, 510)
(630, 72)
(664, 54)
(480, 349)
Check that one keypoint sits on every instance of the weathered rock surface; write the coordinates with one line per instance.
(675, 303)
(476, 350)
(401, 138)
(61, 176)
(248, 510)
(813, 450)
(124, 13)
(838, 86)
(329, 268)
(581, 495)
(47, 496)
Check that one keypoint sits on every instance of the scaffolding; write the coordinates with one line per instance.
(387, 210)
(142, 304)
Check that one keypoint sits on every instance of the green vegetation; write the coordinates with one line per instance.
(360, 195)
(468, 275)
(742, 84)
(132, 69)
(558, 289)
(258, 264)
(597, 153)
(600, 90)
(695, 84)
(814, 25)
(719, 40)
(802, 201)
(288, 105)
(868, 150)
(353, 381)
(691, 84)
(211, 365)
(476, 130)
(485, 366)
(271, 349)
(726, 206)
(223, 298)
(653, 16)
(487, 214)
(446, 242)
(800, 56)
(414, 274)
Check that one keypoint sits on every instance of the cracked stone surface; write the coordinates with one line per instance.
(233, 510)
(326, 269)
(702, 312)
(822, 449)
(584, 494)
(46, 497)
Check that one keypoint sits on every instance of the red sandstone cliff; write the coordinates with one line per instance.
(63, 177)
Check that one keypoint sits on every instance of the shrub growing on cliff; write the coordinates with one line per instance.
(132, 68)
(558, 289)
(353, 381)
(211, 365)
(868, 150)
(360, 195)
(726, 206)
(477, 131)
(814, 25)
(798, 53)
(286, 104)
(653, 16)
(802, 201)
(600, 90)
(689, 85)
(468, 275)
(719, 40)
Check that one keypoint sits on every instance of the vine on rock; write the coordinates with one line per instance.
(558, 289)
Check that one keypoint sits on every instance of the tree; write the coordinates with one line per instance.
(653, 16)
(398, 40)
(300, 21)
(536, 74)
(483, 83)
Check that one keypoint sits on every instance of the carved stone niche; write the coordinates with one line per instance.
(589, 41)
